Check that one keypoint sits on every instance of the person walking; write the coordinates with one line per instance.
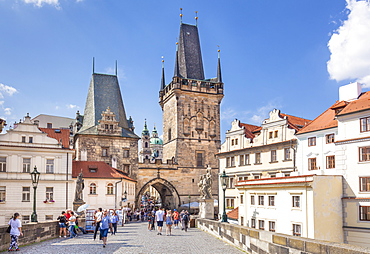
(72, 223)
(185, 221)
(62, 224)
(97, 217)
(114, 220)
(169, 222)
(151, 219)
(105, 224)
(15, 231)
(176, 217)
(159, 215)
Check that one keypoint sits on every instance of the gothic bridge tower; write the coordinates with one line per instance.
(191, 115)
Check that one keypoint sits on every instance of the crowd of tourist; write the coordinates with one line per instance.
(104, 220)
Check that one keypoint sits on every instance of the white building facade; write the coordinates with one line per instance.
(22, 149)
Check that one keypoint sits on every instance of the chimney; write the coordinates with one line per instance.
(349, 92)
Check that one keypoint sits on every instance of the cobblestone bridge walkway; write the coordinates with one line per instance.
(135, 238)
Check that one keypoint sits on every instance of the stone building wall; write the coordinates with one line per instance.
(94, 144)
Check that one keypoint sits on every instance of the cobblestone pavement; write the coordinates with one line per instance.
(135, 238)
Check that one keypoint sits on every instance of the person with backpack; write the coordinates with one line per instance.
(62, 224)
(15, 231)
(185, 221)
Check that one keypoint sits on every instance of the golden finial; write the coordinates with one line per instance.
(181, 15)
(162, 59)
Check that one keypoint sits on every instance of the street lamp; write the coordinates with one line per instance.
(224, 179)
(35, 176)
(189, 205)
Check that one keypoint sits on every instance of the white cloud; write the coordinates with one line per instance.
(8, 111)
(71, 106)
(349, 45)
(40, 3)
(262, 112)
(7, 89)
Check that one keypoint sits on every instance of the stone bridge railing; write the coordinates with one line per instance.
(262, 242)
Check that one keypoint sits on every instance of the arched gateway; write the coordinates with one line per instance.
(168, 193)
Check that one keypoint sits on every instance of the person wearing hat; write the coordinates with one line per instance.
(176, 218)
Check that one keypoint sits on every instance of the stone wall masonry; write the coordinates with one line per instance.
(260, 242)
(33, 233)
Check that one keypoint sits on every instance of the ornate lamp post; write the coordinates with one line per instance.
(35, 176)
(223, 179)
(189, 204)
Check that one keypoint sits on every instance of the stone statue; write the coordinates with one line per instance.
(205, 186)
(79, 187)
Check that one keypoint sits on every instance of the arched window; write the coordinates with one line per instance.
(92, 188)
(146, 144)
(110, 189)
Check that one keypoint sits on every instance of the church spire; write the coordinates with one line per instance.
(145, 131)
(219, 76)
(189, 56)
(163, 82)
(177, 72)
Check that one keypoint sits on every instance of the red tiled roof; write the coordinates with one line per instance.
(362, 103)
(233, 214)
(62, 135)
(324, 121)
(103, 170)
(250, 130)
(295, 122)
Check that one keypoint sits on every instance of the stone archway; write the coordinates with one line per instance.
(168, 193)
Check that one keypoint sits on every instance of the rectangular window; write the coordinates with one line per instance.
(49, 193)
(261, 200)
(30, 139)
(241, 160)
(312, 164)
(364, 153)
(26, 194)
(258, 158)
(272, 226)
(104, 151)
(49, 166)
(276, 134)
(252, 200)
(296, 201)
(365, 184)
(242, 220)
(296, 230)
(261, 224)
(126, 153)
(271, 200)
(200, 159)
(26, 165)
(23, 139)
(126, 168)
(25, 219)
(241, 199)
(246, 159)
(312, 141)
(228, 162)
(231, 183)
(48, 217)
(330, 161)
(365, 213)
(253, 223)
(236, 141)
(287, 154)
(270, 135)
(49, 125)
(365, 124)
(232, 161)
(273, 156)
(329, 138)
(232, 142)
(2, 164)
(2, 193)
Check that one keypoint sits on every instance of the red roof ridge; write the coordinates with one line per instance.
(233, 214)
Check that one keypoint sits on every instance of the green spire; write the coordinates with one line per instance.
(145, 130)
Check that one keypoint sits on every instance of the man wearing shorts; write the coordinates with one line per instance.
(105, 224)
(159, 215)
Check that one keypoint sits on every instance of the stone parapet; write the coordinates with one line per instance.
(260, 241)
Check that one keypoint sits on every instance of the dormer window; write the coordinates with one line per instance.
(93, 169)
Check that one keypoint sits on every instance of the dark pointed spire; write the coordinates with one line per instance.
(163, 81)
(145, 131)
(189, 61)
(93, 65)
(177, 71)
(219, 76)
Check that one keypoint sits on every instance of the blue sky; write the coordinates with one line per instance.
(274, 54)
